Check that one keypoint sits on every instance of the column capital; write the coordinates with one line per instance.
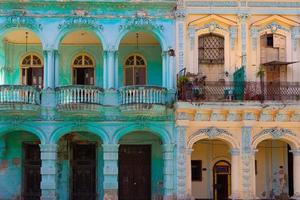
(48, 147)
(243, 17)
(110, 147)
(235, 152)
(167, 147)
(296, 152)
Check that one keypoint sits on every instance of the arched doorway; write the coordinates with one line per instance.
(222, 180)
(274, 170)
(210, 170)
(135, 68)
(140, 167)
(80, 163)
(32, 70)
(140, 60)
(20, 166)
(83, 69)
(77, 52)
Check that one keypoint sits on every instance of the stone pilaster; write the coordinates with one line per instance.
(296, 160)
(235, 169)
(243, 29)
(168, 171)
(248, 169)
(110, 171)
(181, 163)
(48, 171)
(180, 15)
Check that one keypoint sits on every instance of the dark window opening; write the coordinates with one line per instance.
(270, 42)
(196, 170)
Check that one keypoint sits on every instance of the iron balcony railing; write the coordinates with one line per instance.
(239, 91)
(143, 95)
(22, 94)
(79, 94)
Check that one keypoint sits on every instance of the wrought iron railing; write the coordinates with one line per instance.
(143, 95)
(79, 94)
(20, 94)
(239, 91)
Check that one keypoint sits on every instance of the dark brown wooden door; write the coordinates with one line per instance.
(84, 172)
(135, 172)
(222, 186)
(31, 172)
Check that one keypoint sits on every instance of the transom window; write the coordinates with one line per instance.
(135, 70)
(83, 70)
(211, 49)
(32, 70)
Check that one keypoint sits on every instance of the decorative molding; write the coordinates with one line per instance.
(212, 3)
(233, 36)
(295, 34)
(273, 27)
(80, 22)
(211, 132)
(141, 20)
(181, 162)
(254, 35)
(274, 132)
(211, 26)
(20, 21)
(192, 34)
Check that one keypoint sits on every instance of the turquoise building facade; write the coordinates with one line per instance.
(92, 76)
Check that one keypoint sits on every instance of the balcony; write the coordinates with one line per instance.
(19, 99)
(239, 91)
(79, 98)
(143, 98)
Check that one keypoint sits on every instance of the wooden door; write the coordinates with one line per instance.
(222, 186)
(31, 172)
(135, 172)
(83, 162)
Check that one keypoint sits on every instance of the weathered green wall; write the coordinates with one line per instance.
(11, 164)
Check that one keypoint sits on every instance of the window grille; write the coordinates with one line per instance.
(211, 49)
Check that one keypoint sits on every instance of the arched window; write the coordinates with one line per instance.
(83, 70)
(135, 70)
(32, 70)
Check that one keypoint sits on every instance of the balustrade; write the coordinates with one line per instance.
(19, 94)
(79, 94)
(143, 95)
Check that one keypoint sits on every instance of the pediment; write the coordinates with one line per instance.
(213, 18)
(283, 21)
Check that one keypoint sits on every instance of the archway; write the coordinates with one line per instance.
(144, 180)
(210, 169)
(16, 45)
(77, 64)
(140, 60)
(274, 170)
(20, 166)
(80, 165)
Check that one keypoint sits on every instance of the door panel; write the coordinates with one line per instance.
(135, 172)
(222, 186)
(31, 172)
(84, 172)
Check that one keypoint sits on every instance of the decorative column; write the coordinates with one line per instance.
(171, 69)
(56, 68)
(181, 163)
(49, 71)
(109, 66)
(296, 166)
(248, 163)
(164, 57)
(168, 171)
(48, 171)
(110, 171)
(243, 27)
(180, 15)
(116, 69)
(235, 167)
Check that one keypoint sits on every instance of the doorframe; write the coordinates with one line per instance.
(23, 164)
(214, 178)
(70, 150)
(150, 173)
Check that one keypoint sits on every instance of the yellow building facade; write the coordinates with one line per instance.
(238, 111)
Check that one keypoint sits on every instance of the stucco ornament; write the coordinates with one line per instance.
(82, 22)
(273, 27)
(212, 132)
(275, 133)
(19, 20)
(141, 20)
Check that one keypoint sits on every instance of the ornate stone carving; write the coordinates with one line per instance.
(80, 22)
(273, 27)
(17, 20)
(141, 20)
(211, 132)
(233, 36)
(192, 33)
(212, 26)
(181, 162)
(295, 34)
(274, 132)
(254, 35)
